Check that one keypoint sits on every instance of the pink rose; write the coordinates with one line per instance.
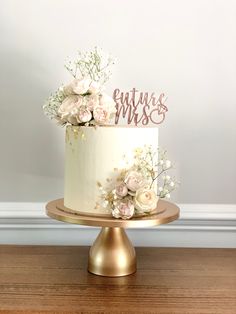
(123, 209)
(101, 115)
(134, 181)
(107, 102)
(92, 101)
(77, 86)
(121, 190)
(69, 108)
(106, 109)
(84, 114)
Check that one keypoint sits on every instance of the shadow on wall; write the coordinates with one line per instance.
(31, 159)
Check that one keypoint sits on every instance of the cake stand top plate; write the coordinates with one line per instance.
(167, 212)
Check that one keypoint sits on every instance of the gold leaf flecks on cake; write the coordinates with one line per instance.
(75, 132)
(99, 184)
(96, 206)
(67, 135)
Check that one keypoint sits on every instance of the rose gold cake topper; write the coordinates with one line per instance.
(139, 107)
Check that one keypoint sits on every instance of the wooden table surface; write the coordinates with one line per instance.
(53, 279)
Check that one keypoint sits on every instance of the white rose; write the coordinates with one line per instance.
(77, 86)
(69, 109)
(145, 200)
(69, 105)
(68, 90)
(94, 88)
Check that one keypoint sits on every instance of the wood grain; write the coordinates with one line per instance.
(44, 279)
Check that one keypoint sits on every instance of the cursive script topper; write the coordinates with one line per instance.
(139, 108)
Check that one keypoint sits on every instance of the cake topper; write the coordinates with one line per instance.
(139, 108)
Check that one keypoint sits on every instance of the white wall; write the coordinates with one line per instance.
(185, 48)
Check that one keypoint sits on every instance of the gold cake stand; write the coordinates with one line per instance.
(112, 254)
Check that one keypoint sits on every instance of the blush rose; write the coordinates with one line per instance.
(121, 190)
(123, 208)
(134, 181)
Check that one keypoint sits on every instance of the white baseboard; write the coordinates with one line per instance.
(199, 225)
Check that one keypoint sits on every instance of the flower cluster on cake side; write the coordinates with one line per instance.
(135, 189)
(83, 101)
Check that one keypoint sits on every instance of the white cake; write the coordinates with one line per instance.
(91, 155)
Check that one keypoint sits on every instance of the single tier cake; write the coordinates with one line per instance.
(112, 162)
(92, 154)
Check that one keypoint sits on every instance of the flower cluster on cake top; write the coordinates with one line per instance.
(83, 102)
(136, 189)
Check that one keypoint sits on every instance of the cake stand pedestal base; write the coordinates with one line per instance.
(112, 254)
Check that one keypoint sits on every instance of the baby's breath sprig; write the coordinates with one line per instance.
(93, 64)
(169, 184)
(154, 166)
(53, 102)
(90, 70)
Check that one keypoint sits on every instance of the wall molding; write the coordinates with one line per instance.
(200, 225)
